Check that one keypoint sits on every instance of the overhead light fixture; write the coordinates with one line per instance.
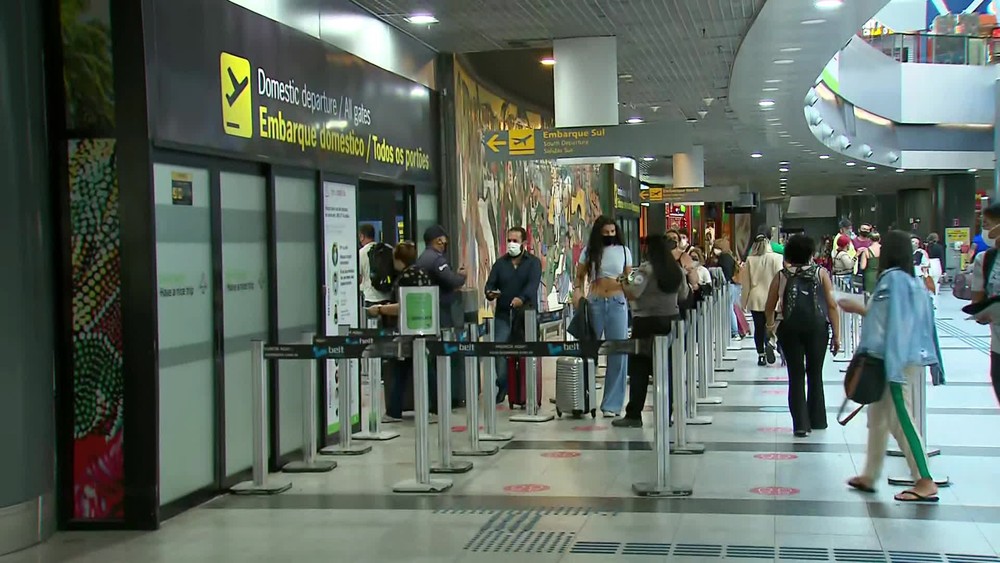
(421, 19)
(900, 170)
(756, 155)
(624, 76)
(773, 81)
(791, 49)
(702, 113)
(825, 131)
(784, 61)
(649, 158)
(893, 156)
(692, 120)
(861, 189)
(784, 136)
(813, 116)
(708, 101)
(816, 21)
(829, 4)
(973, 170)
(766, 103)
(783, 163)
(866, 151)
(812, 97)
(783, 169)
(634, 120)
(824, 157)
(843, 142)
(871, 168)
(548, 61)
(770, 89)
(852, 163)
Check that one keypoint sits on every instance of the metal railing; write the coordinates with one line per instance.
(928, 48)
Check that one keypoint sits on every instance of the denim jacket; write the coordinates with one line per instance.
(899, 327)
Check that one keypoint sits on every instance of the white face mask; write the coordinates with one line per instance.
(514, 249)
(986, 238)
(684, 243)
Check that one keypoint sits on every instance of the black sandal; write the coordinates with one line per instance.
(859, 485)
(914, 496)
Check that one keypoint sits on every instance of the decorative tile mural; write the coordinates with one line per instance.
(98, 460)
(556, 204)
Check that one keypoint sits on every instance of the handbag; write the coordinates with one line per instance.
(580, 326)
(864, 383)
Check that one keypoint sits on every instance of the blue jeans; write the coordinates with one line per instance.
(501, 330)
(735, 292)
(609, 316)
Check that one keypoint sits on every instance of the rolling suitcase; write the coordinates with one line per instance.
(517, 394)
(576, 387)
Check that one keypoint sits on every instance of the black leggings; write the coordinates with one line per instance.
(804, 351)
(640, 368)
(759, 330)
(995, 373)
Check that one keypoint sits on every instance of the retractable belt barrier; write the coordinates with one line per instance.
(850, 325)
(719, 314)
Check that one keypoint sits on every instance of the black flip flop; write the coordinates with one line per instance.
(916, 497)
(857, 485)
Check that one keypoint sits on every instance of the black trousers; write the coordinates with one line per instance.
(805, 350)
(995, 373)
(640, 368)
(759, 330)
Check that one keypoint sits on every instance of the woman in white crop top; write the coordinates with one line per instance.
(603, 262)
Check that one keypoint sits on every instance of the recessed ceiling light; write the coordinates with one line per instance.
(791, 49)
(783, 163)
(829, 4)
(824, 156)
(861, 189)
(813, 22)
(649, 158)
(756, 155)
(773, 81)
(871, 168)
(783, 169)
(852, 163)
(548, 61)
(784, 136)
(692, 120)
(634, 120)
(766, 103)
(973, 170)
(770, 89)
(900, 170)
(421, 19)
(783, 61)
(624, 76)
(774, 119)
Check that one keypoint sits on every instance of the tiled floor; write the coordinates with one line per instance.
(585, 509)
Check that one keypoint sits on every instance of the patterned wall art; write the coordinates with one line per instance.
(98, 460)
(556, 204)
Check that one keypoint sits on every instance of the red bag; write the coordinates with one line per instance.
(517, 395)
(741, 321)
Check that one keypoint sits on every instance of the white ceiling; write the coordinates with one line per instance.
(679, 52)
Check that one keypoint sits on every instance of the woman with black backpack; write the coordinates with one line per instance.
(800, 310)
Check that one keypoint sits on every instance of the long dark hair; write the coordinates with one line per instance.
(595, 245)
(897, 252)
(665, 267)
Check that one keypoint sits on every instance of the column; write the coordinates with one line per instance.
(885, 214)
(586, 86)
(995, 193)
(954, 201)
(27, 325)
(689, 168)
(914, 211)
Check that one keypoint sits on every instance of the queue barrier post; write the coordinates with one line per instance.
(472, 365)
(725, 322)
(531, 375)
(845, 322)
(261, 483)
(310, 462)
(445, 463)
(678, 380)
(422, 483)
(720, 333)
(918, 391)
(374, 432)
(490, 432)
(661, 485)
(345, 407)
(706, 346)
(694, 367)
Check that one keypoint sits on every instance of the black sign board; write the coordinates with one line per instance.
(588, 349)
(289, 352)
(626, 194)
(228, 80)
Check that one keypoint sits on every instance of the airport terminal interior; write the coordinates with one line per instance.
(499, 280)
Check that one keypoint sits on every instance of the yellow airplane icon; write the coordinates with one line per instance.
(522, 141)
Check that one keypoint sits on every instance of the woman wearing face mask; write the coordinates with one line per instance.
(727, 262)
(603, 262)
(985, 283)
(761, 267)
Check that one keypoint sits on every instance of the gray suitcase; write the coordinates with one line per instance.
(576, 389)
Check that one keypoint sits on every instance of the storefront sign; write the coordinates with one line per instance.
(576, 142)
(260, 89)
(340, 267)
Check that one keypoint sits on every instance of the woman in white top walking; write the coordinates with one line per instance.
(761, 267)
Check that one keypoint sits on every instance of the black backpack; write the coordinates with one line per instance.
(802, 302)
(380, 266)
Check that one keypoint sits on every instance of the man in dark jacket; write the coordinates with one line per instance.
(513, 284)
(435, 263)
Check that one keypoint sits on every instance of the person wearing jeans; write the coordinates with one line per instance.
(605, 262)
(727, 262)
(761, 267)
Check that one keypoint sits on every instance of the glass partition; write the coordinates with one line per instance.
(185, 330)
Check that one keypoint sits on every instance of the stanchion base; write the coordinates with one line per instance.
(842, 360)
(271, 486)
(375, 437)
(909, 482)
(654, 490)
(309, 467)
(700, 420)
(729, 359)
(532, 418)
(689, 449)
(723, 370)
(734, 348)
(353, 449)
(482, 452)
(719, 384)
(453, 467)
(414, 486)
(710, 401)
(929, 453)
(498, 437)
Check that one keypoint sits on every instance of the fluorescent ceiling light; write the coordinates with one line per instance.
(770, 89)
(783, 163)
(871, 168)
(756, 155)
(692, 120)
(852, 163)
(634, 120)
(829, 4)
(861, 189)
(900, 170)
(649, 158)
(421, 19)
(773, 81)
(766, 103)
(973, 170)
(783, 169)
(548, 61)
(783, 61)
(791, 49)
(824, 156)
(813, 22)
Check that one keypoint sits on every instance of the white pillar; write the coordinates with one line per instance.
(586, 86)
(689, 168)
(628, 166)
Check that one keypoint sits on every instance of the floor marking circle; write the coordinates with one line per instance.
(590, 428)
(462, 428)
(775, 491)
(776, 457)
(775, 429)
(526, 488)
(561, 454)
